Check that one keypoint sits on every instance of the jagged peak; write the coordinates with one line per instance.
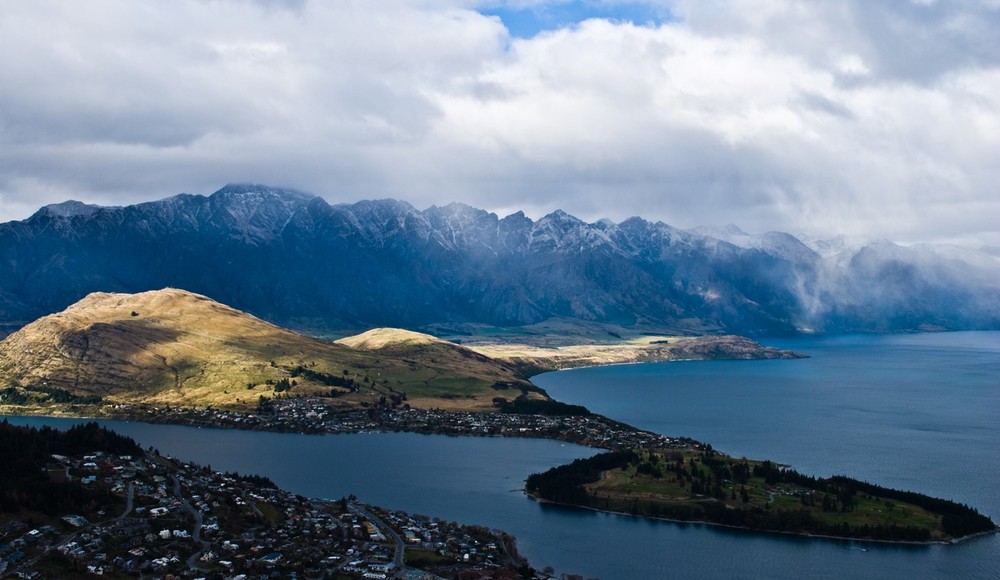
(456, 207)
(516, 217)
(882, 249)
(256, 190)
(558, 220)
(561, 216)
(458, 211)
(633, 222)
(839, 244)
(380, 205)
(728, 232)
(68, 209)
(779, 244)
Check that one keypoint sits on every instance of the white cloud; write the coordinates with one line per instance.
(822, 117)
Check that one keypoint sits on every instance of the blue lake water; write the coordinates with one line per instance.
(920, 412)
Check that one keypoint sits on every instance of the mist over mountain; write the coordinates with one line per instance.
(296, 260)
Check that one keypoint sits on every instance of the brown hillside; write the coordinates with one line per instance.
(175, 347)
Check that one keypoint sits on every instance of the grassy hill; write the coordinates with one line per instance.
(172, 347)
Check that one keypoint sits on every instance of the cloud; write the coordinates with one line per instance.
(894, 40)
(874, 119)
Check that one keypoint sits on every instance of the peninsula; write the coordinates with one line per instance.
(698, 484)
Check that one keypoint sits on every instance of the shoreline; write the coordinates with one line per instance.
(949, 542)
(591, 430)
(541, 500)
(667, 360)
(536, 360)
(676, 443)
(289, 419)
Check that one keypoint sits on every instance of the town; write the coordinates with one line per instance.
(182, 520)
(186, 521)
(314, 415)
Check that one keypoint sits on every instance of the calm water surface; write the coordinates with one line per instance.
(919, 412)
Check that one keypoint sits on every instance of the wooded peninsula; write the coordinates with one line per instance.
(702, 485)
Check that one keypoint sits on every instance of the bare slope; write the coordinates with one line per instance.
(388, 338)
(530, 358)
(175, 347)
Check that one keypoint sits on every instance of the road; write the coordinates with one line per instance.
(129, 501)
(387, 531)
(192, 562)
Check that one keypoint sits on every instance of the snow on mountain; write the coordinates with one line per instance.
(68, 209)
(778, 244)
(291, 257)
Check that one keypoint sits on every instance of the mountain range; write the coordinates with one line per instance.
(296, 260)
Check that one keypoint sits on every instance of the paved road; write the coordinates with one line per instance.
(389, 533)
(129, 501)
(192, 562)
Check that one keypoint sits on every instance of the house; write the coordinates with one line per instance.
(75, 520)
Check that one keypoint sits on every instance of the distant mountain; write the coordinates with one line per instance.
(296, 260)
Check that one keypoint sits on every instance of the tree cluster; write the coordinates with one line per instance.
(24, 453)
(525, 406)
(327, 379)
(43, 394)
(564, 484)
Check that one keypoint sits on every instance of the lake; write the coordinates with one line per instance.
(920, 412)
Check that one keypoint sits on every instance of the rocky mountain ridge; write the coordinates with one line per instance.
(294, 259)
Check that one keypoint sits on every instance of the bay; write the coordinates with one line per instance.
(917, 412)
(920, 412)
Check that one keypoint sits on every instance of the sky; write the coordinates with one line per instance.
(864, 118)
